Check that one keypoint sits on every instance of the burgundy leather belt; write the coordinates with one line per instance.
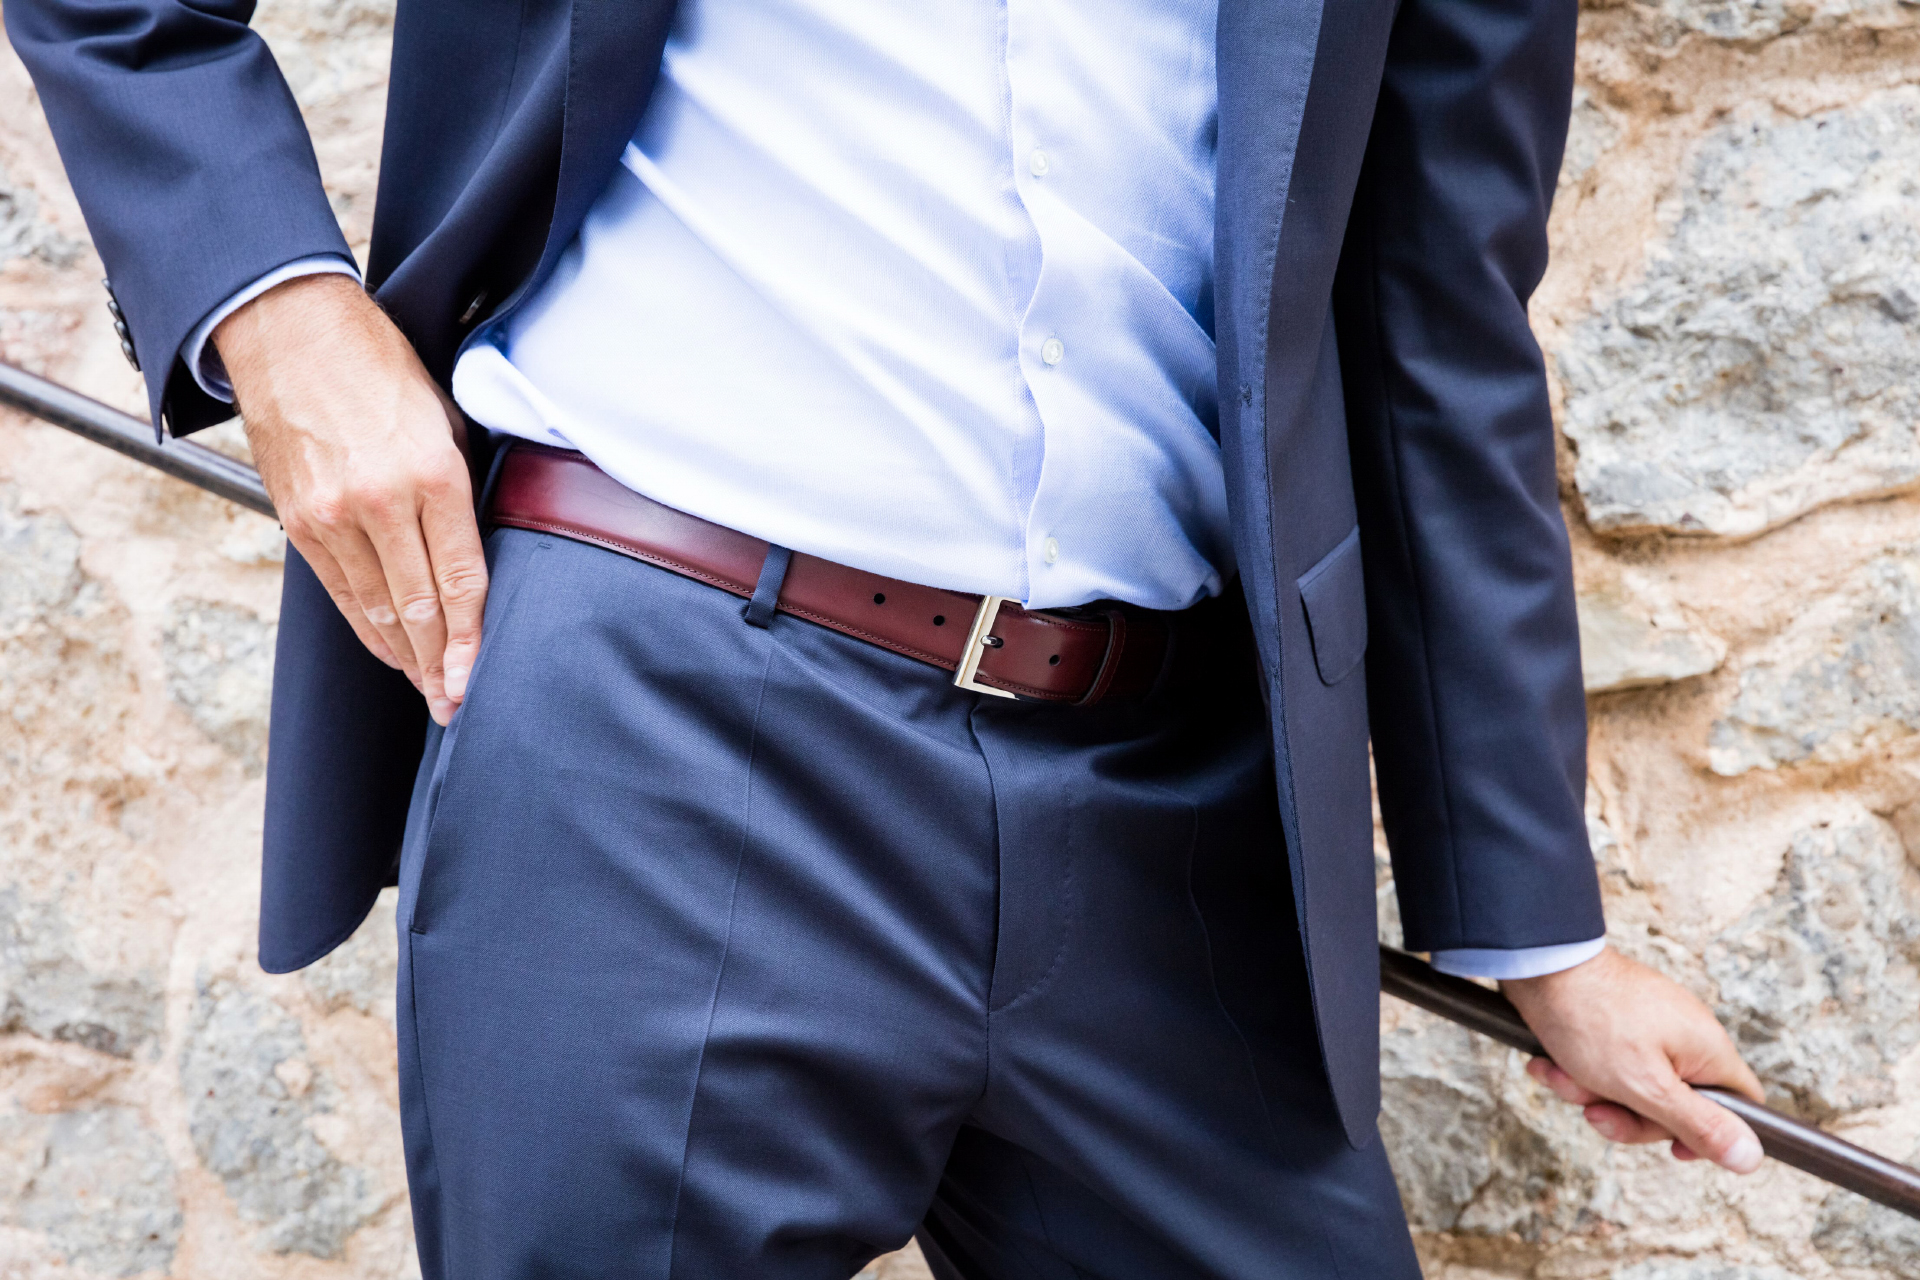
(992, 645)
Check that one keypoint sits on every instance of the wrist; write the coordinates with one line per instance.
(1547, 986)
(290, 316)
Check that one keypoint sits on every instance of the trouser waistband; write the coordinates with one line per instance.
(1093, 654)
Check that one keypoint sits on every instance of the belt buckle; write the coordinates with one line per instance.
(978, 642)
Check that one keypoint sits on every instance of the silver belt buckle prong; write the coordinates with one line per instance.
(979, 640)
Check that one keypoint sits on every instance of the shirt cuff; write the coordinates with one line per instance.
(204, 360)
(1516, 962)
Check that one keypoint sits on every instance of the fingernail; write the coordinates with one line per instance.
(1744, 1155)
(456, 682)
(442, 711)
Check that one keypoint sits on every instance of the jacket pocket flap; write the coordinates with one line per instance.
(1334, 595)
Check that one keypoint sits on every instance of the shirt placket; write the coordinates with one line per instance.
(1031, 158)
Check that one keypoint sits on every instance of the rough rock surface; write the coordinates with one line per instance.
(1697, 1269)
(253, 1096)
(1738, 374)
(97, 1183)
(1763, 364)
(25, 234)
(1820, 981)
(220, 668)
(1756, 20)
(1856, 1233)
(361, 973)
(47, 988)
(1629, 642)
(1476, 1150)
(1841, 680)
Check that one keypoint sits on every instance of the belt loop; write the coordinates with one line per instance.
(766, 592)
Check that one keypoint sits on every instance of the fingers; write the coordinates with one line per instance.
(1698, 1127)
(1661, 1108)
(459, 569)
(368, 602)
(1564, 1086)
(395, 534)
(408, 572)
(1701, 1125)
(1617, 1124)
(334, 579)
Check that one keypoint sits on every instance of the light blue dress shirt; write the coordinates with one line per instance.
(921, 288)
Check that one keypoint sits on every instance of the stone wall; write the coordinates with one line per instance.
(1732, 322)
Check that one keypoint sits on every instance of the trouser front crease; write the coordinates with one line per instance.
(737, 952)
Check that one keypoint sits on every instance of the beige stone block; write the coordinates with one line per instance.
(1767, 360)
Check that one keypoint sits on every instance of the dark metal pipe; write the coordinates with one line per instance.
(1806, 1148)
(1473, 1006)
(123, 433)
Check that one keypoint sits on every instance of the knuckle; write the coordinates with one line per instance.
(442, 479)
(326, 512)
(463, 584)
(419, 607)
(379, 500)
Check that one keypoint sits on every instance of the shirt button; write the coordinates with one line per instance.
(1052, 550)
(1053, 351)
(1037, 163)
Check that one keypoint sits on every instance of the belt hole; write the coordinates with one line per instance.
(879, 597)
(939, 619)
(1054, 661)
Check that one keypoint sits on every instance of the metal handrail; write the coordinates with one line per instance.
(1810, 1150)
(134, 437)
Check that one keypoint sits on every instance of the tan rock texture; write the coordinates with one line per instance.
(1733, 325)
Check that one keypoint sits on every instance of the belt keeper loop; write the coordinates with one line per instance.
(1110, 661)
(766, 592)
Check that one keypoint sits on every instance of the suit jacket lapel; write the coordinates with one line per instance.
(1265, 58)
(1299, 81)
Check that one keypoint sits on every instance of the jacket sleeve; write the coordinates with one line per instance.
(189, 158)
(1478, 713)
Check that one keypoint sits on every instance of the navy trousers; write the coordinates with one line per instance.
(744, 953)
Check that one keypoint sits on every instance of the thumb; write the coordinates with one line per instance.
(1704, 1127)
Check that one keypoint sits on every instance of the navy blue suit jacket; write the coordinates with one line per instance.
(1384, 177)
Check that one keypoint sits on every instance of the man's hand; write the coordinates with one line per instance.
(361, 453)
(1625, 1043)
